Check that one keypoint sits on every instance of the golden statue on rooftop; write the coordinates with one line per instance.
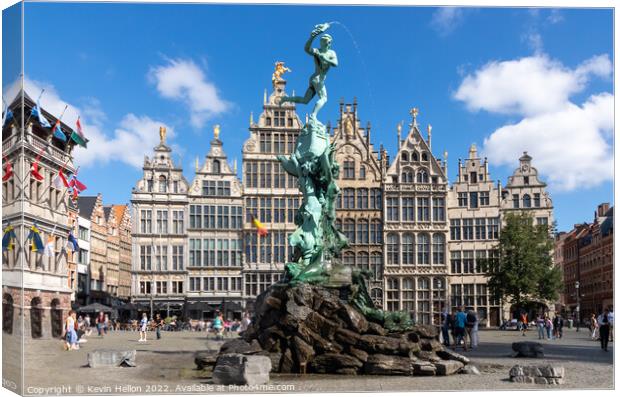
(279, 71)
(216, 131)
(162, 135)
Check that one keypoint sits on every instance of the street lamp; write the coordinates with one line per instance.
(578, 304)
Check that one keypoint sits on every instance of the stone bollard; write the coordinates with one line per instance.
(238, 369)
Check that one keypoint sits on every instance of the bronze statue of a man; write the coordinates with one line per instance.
(324, 58)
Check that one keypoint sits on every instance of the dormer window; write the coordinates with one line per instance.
(414, 156)
(422, 176)
(216, 167)
(163, 184)
(406, 176)
(405, 156)
(424, 156)
(527, 201)
(526, 180)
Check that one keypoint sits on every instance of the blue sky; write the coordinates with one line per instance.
(507, 79)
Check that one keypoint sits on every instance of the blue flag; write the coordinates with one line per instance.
(8, 239)
(36, 112)
(8, 115)
(35, 239)
(58, 132)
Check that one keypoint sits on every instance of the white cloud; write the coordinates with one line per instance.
(555, 16)
(128, 143)
(183, 80)
(534, 40)
(527, 86)
(445, 19)
(570, 144)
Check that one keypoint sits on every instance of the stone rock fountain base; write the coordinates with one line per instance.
(313, 329)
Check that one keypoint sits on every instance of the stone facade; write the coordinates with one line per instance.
(91, 207)
(123, 221)
(359, 207)
(270, 194)
(474, 214)
(40, 279)
(159, 236)
(112, 252)
(215, 233)
(416, 228)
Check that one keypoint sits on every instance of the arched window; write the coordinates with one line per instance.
(376, 265)
(216, 167)
(348, 259)
(362, 231)
(414, 156)
(407, 175)
(424, 156)
(392, 249)
(349, 230)
(423, 249)
(408, 249)
(422, 176)
(439, 246)
(408, 294)
(362, 261)
(362, 172)
(405, 156)
(527, 201)
(163, 184)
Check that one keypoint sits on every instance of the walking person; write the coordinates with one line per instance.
(474, 331)
(594, 327)
(87, 321)
(549, 327)
(143, 324)
(218, 325)
(106, 323)
(603, 325)
(540, 326)
(158, 323)
(560, 326)
(445, 326)
(470, 322)
(459, 329)
(523, 323)
(71, 338)
(99, 322)
(245, 322)
(555, 327)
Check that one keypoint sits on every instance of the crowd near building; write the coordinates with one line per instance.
(189, 248)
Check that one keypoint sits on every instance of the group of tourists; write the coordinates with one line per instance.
(74, 330)
(462, 325)
(549, 329)
(602, 326)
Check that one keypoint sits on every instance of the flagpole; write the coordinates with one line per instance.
(36, 104)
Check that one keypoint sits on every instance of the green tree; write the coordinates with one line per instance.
(523, 267)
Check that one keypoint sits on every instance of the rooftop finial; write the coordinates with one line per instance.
(414, 113)
(280, 69)
(473, 151)
(216, 131)
(251, 118)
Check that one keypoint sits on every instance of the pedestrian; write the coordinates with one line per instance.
(540, 326)
(87, 321)
(472, 328)
(610, 316)
(106, 323)
(452, 324)
(555, 327)
(245, 322)
(549, 327)
(143, 324)
(99, 322)
(523, 319)
(70, 334)
(603, 325)
(445, 326)
(158, 323)
(560, 326)
(459, 329)
(594, 327)
(218, 325)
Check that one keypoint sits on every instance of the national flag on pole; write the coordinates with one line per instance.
(78, 135)
(260, 228)
(58, 131)
(34, 170)
(7, 115)
(72, 242)
(76, 185)
(8, 238)
(60, 179)
(35, 239)
(49, 246)
(36, 112)
(8, 170)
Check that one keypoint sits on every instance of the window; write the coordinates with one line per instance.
(392, 209)
(362, 198)
(392, 249)
(536, 200)
(481, 256)
(177, 257)
(83, 233)
(348, 259)
(484, 199)
(455, 229)
(146, 221)
(468, 229)
(162, 221)
(265, 139)
(177, 222)
(542, 221)
(473, 200)
(349, 230)
(480, 228)
(526, 180)
(424, 304)
(265, 175)
(408, 295)
(149, 185)
(375, 200)
(405, 156)
(348, 198)
(422, 176)
(362, 231)
(349, 169)
(376, 265)
(408, 209)
(439, 209)
(473, 177)
(145, 257)
(362, 172)
(463, 199)
(163, 184)
(423, 209)
(195, 252)
(216, 166)
(423, 249)
(424, 156)
(375, 232)
(251, 174)
(414, 156)
(195, 216)
(492, 228)
(527, 201)
(408, 249)
(455, 262)
(439, 246)
(145, 287)
(406, 176)
(515, 201)
(468, 262)
(161, 258)
(392, 293)
(177, 287)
